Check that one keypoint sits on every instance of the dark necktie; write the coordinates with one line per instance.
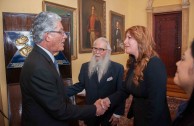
(56, 66)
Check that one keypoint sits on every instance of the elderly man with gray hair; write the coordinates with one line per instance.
(100, 77)
(44, 100)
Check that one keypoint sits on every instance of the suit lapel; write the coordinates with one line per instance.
(60, 83)
(47, 57)
(42, 52)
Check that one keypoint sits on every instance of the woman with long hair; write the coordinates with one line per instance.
(145, 80)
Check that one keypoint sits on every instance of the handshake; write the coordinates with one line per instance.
(101, 106)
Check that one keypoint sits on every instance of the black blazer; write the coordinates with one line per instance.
(149, 105)
(44, 101)
(110, 83)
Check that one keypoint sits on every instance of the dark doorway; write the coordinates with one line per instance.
(167, 34)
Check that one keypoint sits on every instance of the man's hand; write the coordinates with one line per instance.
(105, 103)
(99, 109)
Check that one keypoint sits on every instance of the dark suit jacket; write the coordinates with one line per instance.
(44, 101)
(110, 83)
(116, 35)
(149, 105)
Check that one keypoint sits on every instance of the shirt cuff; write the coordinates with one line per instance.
(117, 116)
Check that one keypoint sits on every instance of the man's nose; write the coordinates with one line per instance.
(64, 36)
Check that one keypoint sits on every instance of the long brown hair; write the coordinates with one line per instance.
(146, 49)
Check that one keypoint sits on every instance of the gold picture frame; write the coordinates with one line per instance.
(117, 31)
(91, 27)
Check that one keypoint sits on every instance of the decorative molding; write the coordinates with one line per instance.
(185, 3)
(168, 8)
(149, 5)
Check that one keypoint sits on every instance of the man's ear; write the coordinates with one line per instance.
(47, 37)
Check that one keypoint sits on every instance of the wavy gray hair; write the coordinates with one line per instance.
(44, 22)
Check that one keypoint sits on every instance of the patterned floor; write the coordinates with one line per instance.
(173, 104)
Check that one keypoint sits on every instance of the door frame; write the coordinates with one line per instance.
(184, 7)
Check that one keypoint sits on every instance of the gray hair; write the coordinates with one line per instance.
(44, 22)
(102, 39)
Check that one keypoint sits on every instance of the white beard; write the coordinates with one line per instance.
(100, 66)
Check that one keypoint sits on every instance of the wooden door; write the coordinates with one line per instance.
(167, 35)
(168, 39)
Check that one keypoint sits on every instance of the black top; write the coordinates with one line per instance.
(186, 117)
(149, 105)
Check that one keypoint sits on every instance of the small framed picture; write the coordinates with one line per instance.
(117, 29)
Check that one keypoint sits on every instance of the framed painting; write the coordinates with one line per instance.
(69, 12)
(92, 23)
(117, 29)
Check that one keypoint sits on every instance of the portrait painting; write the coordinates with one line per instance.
(65, 11)
(117, 28)
(92, 23)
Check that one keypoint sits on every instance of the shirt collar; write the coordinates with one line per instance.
(50, 55)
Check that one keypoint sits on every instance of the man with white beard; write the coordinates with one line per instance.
(100, 78)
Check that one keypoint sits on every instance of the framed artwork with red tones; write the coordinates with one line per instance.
(92, 23)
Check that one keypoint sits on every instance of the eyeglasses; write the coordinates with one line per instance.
(98, 49)
(59, 32)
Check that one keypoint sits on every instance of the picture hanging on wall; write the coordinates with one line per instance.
(117, 29)
(92, 23)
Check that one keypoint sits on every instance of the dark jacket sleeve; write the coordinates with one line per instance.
(119, 96)
(155, 78)
(79, 86)
(45, 87)
(119, 110)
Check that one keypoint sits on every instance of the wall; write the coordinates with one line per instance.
(134, 11)
(137, 12)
